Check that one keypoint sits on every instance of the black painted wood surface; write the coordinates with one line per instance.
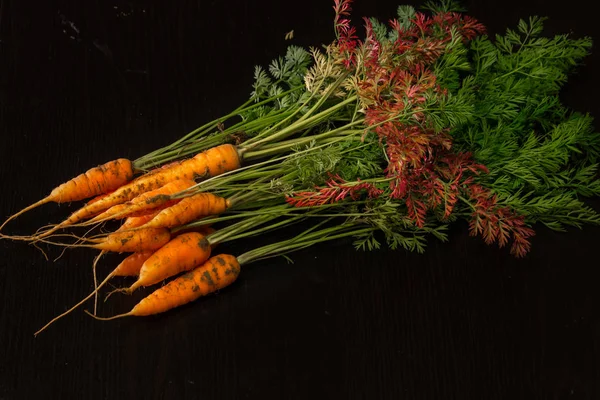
(85, 82)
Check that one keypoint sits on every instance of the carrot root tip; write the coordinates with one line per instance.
(30, 207)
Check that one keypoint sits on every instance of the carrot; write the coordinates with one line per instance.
(131, 241)
(135, 222)
(99, 197)
(216, 273)
(212, 162)
(182, 253)
(95, 181)
(145, 201)
(132, 264)
(130, 223)
(189, 209)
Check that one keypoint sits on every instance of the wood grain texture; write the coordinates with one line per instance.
(85, 82)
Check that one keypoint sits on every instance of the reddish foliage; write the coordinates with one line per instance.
(497, 223)
(346, 34)
(336, 189)
(424, 171)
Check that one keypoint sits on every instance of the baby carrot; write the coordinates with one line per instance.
(189, 209)
(132, 264)
(135, 240)
(212, 162)
(145, 201)
(216, 273)
(95, 181)
(182, 253)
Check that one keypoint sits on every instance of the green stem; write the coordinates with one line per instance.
(299, 125)
(149, 158)
(300, 242)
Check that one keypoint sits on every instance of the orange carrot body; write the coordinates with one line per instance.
(132, 264)
(182, 253)
(212, 162)
(132, 241)
(99, 197)
(136, 222)
(146, 201)
(95, 181)
(216, 273)
(189, 209)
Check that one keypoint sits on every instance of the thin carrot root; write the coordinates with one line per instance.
(41, 250)
(31, 207)
(23, 237)
(118, 290)
(107, 318)
(95, 275)
(125, 267)
(80, 239)
(75, 306)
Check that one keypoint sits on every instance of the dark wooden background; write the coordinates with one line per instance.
(85, 82)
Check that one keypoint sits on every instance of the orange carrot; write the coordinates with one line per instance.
(99, 197)
(95, 181)
(216, 273)
(135, 222)
(189, 209)
(130, 223)
(212, 162)
(145, 201)
(131, 241)
(132, 264)
(182, 253)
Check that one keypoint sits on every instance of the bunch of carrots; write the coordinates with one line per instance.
(364, 138)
